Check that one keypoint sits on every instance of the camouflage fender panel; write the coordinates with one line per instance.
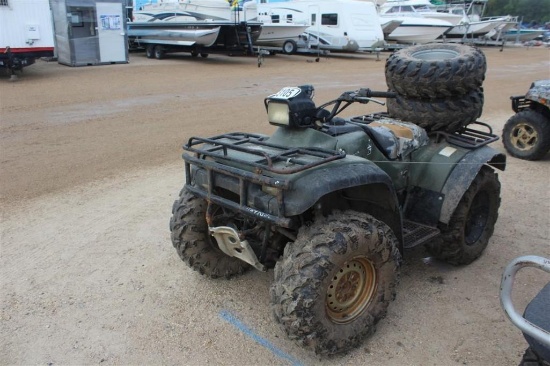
(540, 92)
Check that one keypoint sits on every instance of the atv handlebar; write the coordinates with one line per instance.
(376, 94)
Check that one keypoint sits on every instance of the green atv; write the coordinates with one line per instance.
(331, 204)
(526, 134)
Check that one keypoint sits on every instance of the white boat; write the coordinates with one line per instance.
(183, 11)
(272, 34)
(472, 25)
(332, 25)
(198, 33)
(417, 8)
(523, 35)
(415, 30)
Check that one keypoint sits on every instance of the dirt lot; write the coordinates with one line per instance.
(90, 165)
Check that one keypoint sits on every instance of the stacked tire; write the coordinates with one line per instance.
(438, 86)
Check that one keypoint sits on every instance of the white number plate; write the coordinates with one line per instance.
(286, 93)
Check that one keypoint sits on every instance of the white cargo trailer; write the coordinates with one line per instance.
(26, 33)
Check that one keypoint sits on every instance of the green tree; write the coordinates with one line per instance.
(531, 11)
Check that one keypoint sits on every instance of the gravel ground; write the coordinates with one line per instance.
(91, 163)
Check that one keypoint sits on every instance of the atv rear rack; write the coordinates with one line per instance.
(469, 138)
(268, 155)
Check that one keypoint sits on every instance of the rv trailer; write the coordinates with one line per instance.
(334, 25)
(26, 33)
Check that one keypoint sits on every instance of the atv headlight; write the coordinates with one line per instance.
(291, 106)
(278, 112)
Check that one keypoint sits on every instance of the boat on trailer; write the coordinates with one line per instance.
(273, 33)
(195, 37)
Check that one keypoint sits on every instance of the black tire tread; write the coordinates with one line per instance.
(447, 114)
(538, 122)
(435, 78)
(189, 229)
(451, 247)
(530, 358)
(296, 293)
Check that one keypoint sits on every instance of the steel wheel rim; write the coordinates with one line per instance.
(524, 136)
(350, 290)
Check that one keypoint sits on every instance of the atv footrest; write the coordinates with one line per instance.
(415, 233)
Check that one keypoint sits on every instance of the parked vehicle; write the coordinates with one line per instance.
(334, 25)
(535, 321)
(526, 135)
(26, 35)
(331, 203)
(194, 37)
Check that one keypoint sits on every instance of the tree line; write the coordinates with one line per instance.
(532, 12)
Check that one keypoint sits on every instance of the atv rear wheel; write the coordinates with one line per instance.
(472, 224)
(435, 70)
(448, 114)
(335, 282)
(526, 135)
(195, 246)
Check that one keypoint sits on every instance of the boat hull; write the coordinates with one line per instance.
(184, 34)
(276, 34)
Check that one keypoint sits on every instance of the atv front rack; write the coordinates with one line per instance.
(469, 138)
(292, 159)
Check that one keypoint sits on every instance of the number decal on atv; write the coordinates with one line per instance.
(286, 93)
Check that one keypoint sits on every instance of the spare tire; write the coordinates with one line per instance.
(445, 114)
(435, 70)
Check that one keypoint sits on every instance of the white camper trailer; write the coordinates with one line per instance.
(26, 33)
(334, 25)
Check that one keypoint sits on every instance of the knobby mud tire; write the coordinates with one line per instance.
(301, 293)
(448, 114)
(472, 224)
(435, 70)
(530, 358)
(526, 135)
(195, 246)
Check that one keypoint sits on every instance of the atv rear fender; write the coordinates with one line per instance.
(462, 175)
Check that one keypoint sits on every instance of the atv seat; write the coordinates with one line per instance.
(397, 139)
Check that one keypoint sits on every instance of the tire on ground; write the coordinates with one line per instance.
(446, 114)
(472, 224)
(335, 282)
(150, 51)
(159, 52)
(435, 70)
(195, 246)
(290, 47)
(526, 135)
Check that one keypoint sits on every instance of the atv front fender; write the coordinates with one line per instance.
(463, 174)
(332, 177)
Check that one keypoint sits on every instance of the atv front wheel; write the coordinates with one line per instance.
(473, 222)
(335, 282)
(526, 135)
(195, 246)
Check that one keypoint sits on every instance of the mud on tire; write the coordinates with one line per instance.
(526, 135)
(335, 282)
(447, 114)
(195, 246)
(435, 70)
(472, 224)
